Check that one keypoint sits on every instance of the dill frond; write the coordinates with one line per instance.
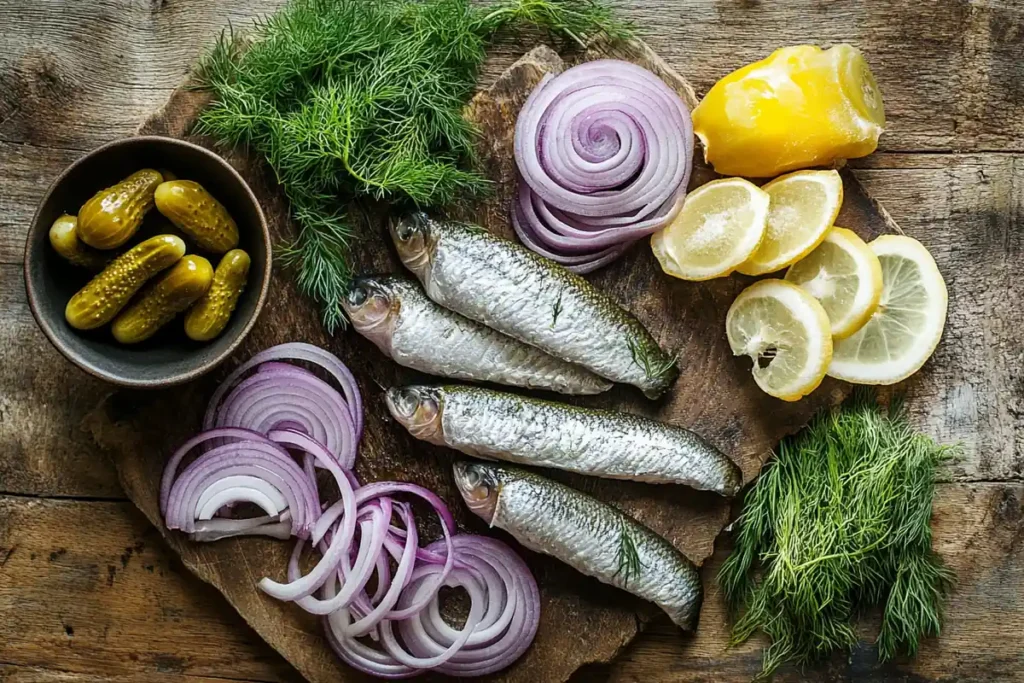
(349, 99)
(839, 521)
(628, 558)
(654, 369)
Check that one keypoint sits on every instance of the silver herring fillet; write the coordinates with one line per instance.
(588, 535)
(394, 313)
(529, 431)
(511, 289)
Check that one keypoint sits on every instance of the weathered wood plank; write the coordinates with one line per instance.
(75, 74)
(10, 673)
(90, 588)
(43, 450)
(164, 612)
(27, 172)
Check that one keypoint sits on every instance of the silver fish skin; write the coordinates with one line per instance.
(592, 537)
(530, 431)
(511, 289)
(394, 313)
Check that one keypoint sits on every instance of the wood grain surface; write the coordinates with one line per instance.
(75, 74)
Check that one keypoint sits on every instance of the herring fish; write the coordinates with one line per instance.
(529, 431)
(590, 536)
(511, 289)
(393, 312)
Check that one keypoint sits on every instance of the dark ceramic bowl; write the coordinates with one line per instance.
(169, 357)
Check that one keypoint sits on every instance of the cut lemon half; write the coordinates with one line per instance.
(719, 227)
(906, 327)
(844, 274)
(785, 331)
(804, 205)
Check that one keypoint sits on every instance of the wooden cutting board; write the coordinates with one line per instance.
(582, 620)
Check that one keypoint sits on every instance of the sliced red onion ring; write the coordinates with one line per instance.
(294, 351)
(221, 435)
(304, 586)
(505, 609)
(257, 471)
(604, 152)
(288, 398)
(272, 429)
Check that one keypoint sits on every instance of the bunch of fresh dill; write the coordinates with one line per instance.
(363, 98)
(839, 522)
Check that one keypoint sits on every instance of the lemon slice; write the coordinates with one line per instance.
(804, 205)
(786, 333)
(905, 329)
(845, 276)
(719, 227)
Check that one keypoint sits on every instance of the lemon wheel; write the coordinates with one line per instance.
(719, 227)
(905, 329)
(804, 205)
(786, 333)
(844, 274)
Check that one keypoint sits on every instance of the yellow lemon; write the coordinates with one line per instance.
(785, 331)
(719, 227)
(844, 274)
(800, 107)
(803, 207)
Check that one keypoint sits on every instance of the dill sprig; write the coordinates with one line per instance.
(351, 99)
(655, 369)
(628, 557)
(838, 522)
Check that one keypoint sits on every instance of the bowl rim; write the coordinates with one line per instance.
(181, 377)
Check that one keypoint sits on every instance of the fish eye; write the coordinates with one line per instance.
(357, 294)
(473, 477)
(405, 400)
(410, 226)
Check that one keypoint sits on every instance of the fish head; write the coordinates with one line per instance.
(372, 303)
(418, 409)
(415, 239)
(480, 485)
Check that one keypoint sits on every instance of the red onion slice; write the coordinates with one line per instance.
(306, 585)
(372, 532)
(291, 397)
(509, 625)
(220, 435)
(296, 351)
(604, 152)
(257, 460)
(271, 430)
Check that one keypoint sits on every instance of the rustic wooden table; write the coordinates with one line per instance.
(89, 593)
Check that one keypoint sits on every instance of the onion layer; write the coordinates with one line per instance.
(281, 395)
(604, 152)
(269, 427)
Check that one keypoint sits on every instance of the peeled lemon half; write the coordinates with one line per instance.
(719, 227)
(844, 274)
(786, 332)
(906, 327)
(804, 206)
